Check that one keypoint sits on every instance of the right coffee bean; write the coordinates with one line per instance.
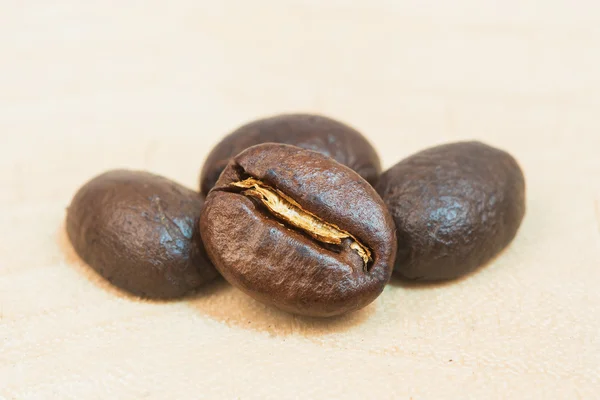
(455, 206)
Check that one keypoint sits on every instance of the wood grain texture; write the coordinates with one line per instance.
(95, 85)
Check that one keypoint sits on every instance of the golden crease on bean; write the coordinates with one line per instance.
(290, 211)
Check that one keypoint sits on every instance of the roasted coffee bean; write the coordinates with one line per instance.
(455, 206)
(139, 231)
(313, 132)
(295, 229)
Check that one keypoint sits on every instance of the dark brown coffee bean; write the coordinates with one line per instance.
(455, 207)
(313, 132)
(295, 229)
(139, 231)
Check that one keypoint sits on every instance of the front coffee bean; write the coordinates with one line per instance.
(314, 132)
(295, 229)
(140, 232)
(455, 206)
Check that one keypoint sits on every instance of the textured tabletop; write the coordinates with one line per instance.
(87, 86)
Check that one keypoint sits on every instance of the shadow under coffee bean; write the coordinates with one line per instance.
(313, 132)
(300, 227)
(295, 229)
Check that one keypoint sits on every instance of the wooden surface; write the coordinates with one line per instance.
(87, 86)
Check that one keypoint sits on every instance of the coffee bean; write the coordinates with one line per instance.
(455, 206)
(295, 229)
(139, 231)
(313, 132)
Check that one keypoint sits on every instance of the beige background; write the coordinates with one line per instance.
(87, 86)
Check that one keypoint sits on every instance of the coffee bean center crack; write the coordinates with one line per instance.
(288, 210)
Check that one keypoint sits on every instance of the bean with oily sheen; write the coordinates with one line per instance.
(140, 232)
(295, 229)
(455, 206)
(314, 132)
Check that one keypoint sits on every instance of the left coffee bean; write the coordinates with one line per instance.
(140, 232)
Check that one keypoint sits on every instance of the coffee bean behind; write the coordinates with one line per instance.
(314, 132)
(295, 229)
